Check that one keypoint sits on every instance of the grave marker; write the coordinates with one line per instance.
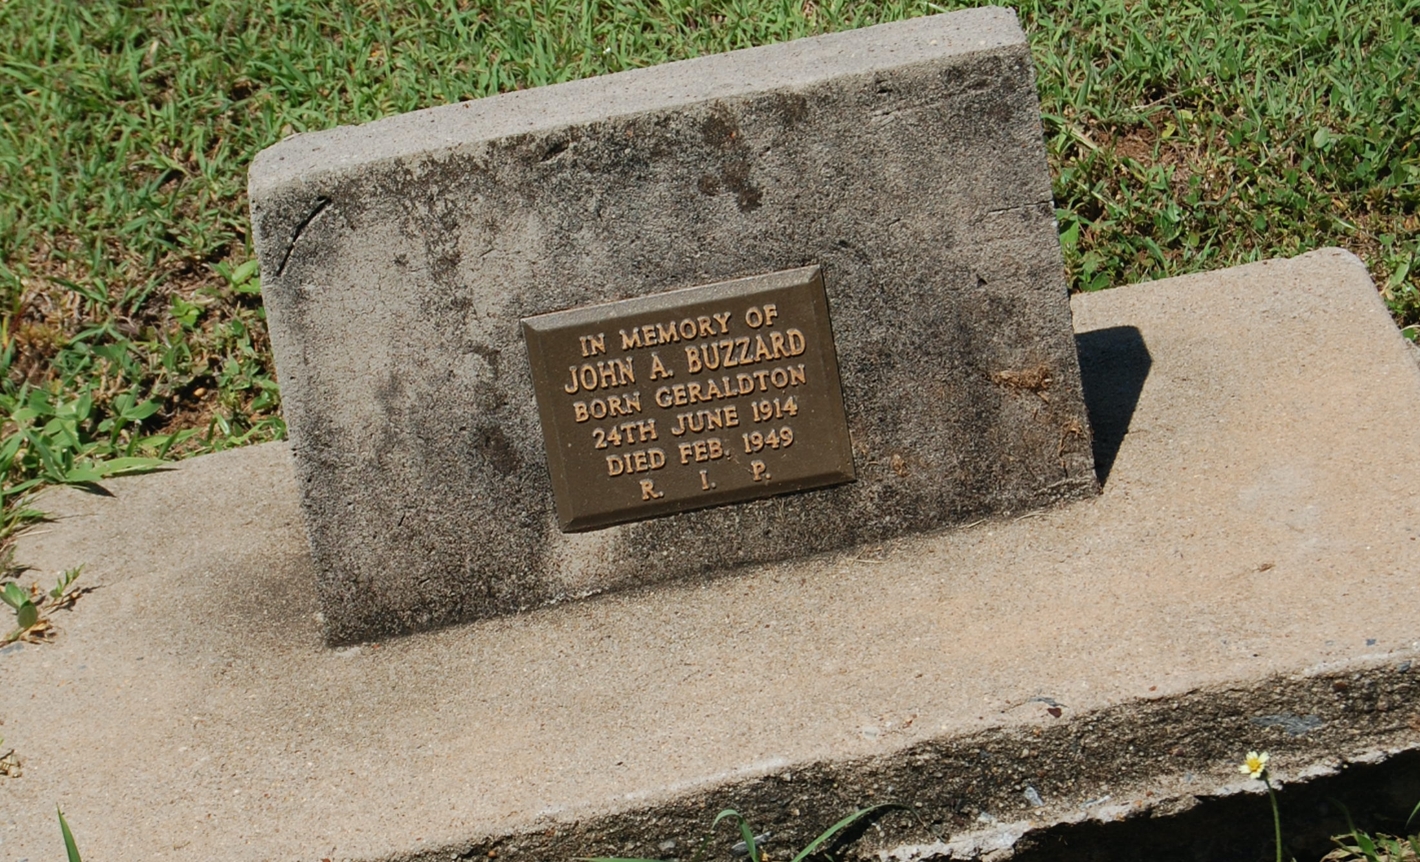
(463, 300)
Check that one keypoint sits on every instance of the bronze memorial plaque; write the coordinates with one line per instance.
(687, 399)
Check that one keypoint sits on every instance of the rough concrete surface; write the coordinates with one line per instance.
(397, 259)
(1247, 580)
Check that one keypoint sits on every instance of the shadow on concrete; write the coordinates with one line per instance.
(1239, 828)
(1113, 366)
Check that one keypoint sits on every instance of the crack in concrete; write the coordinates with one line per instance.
(321, 204)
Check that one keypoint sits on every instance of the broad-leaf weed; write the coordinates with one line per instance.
(33, 606)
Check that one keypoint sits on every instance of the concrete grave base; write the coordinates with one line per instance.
(1247, 580)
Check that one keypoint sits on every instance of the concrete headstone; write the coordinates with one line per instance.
(412, 269)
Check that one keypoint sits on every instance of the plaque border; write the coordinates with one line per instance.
(541, 326)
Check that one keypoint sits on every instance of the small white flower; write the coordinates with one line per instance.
(1255, 764)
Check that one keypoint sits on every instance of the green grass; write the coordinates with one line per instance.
(749, 846)
(1183, 136)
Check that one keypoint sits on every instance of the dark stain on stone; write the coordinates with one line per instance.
(957, 83)
(390, 394)
(445, 265)
(974, 79)
(736, 177)
(462, 304)
(792, 108)
(748, 199)
(493, 446)
(709, 185)
(998, 112)
(720, 128)
(489, 355)
(431, 194)
(490, 398)
(516, 144)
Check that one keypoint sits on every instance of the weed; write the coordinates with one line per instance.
(65, 443)
(1358, 846)
(1256, 765)
(750, 845)
(32, 607)
(1355, 845)
(9, 762)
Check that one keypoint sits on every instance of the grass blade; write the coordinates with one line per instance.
(128, 466)
(841, 825)
(69, 847)
(748, 835)
(705, 843)
(1363, 841)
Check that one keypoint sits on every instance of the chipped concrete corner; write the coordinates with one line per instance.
(397, 258)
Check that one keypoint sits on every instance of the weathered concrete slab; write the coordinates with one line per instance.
(1246, 580)
(906, 160)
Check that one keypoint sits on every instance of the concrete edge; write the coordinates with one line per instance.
(445, 129)
(976, 794)
(1080, 303)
